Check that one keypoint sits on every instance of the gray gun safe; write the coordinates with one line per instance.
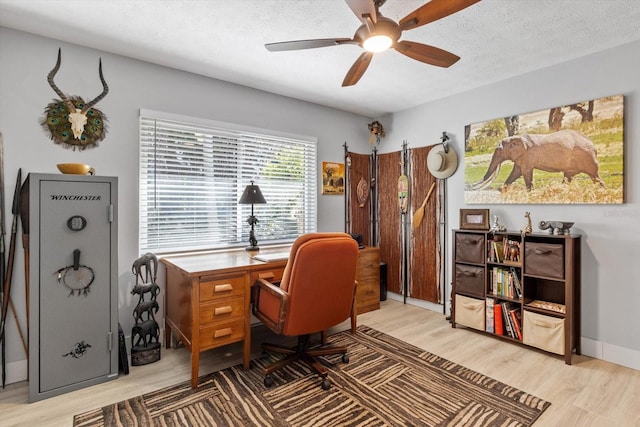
(73, 301)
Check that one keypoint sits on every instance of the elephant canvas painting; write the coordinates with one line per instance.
(572, 154)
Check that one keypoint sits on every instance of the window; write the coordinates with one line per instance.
(193, 172)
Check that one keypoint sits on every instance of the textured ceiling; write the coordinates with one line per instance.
(224, 39)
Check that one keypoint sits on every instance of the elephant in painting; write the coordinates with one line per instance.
(565, 151)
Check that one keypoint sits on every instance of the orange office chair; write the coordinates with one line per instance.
(316, 292)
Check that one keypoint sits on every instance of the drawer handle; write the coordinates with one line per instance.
(223, 288)
(473, 242)
(266, 276)
(222, 332)
(470, 273)
(222, 310)
(542, 324)
(542, 251)
(469, 305)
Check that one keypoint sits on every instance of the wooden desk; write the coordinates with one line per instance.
(208, 298)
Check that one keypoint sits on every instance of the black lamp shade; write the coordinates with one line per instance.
(252, 195)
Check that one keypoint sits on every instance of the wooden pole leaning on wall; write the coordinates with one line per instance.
(347, 188)
(373, 208)
(419, 213)
(9, 275)
(404, 268)
(24, 219)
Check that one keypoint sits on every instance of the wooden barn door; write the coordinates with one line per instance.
(390, 218)
(413, 256)
(359, 216)
(424, 254)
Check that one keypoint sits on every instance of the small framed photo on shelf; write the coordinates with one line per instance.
(474, 219)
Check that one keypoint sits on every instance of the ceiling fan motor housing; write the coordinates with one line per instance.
(383, 26)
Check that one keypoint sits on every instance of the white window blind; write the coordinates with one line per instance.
(193, 172)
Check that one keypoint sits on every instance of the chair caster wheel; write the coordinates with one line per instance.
(326, 384)
(268, 381)
(345, 358)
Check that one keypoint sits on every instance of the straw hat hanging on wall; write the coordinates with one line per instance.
(442, 162)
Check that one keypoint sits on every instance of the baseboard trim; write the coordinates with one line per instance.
(611, 353)
(417, 302)
(599, 350)
(17, 371)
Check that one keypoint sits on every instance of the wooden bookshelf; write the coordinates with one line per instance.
(534, 279)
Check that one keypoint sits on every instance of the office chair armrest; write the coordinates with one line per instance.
(271, 305)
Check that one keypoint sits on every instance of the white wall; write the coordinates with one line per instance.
(611, 246)
(611, 233)
(25, 61)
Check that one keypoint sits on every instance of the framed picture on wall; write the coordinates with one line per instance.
(332, 178)
(474, 219)
(570, 154)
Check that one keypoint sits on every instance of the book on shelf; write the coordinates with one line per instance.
(497, 246)
(492, 255)
(497, 317)
(508, 327)
(512, 320)
(546, 305)
(516, 283)
(489, 326)
(505, 249)
(516, 318)
(505, 282)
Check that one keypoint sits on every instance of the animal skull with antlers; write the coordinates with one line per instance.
(72, 122)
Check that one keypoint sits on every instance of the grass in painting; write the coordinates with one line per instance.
(578, 191)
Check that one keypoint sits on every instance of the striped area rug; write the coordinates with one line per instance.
(387, 383)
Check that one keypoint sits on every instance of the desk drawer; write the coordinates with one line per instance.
(211, 289)
(272, 275)
(368, 265)
(221, 310)
(221, 333)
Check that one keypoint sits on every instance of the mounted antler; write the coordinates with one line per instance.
(77, 114)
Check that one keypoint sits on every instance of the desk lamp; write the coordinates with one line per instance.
(252, 196)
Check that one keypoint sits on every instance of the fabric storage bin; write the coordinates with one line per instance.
(544, 259)
(544, 332)
(469, 279)
(470, 248)
(470, 312)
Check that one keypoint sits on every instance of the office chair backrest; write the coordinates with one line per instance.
(320, 280)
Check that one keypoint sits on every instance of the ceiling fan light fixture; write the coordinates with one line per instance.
(377, 43)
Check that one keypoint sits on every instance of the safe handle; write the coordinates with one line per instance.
(76, 259)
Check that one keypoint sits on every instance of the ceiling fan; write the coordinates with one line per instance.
(378, 33)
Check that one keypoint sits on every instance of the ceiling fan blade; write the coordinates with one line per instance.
(427, 54)
(357, 69)
(306, 44)
(363, 7)
(433, 11)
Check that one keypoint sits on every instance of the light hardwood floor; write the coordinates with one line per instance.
(588, 393)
